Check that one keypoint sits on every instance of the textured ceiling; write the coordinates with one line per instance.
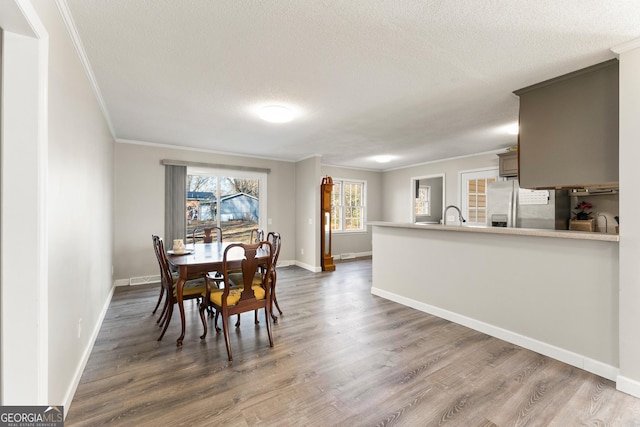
(418, 80)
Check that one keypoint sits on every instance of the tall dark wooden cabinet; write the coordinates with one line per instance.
(325, 224)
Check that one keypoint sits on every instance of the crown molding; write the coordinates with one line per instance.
(625, 47)
(77, 43)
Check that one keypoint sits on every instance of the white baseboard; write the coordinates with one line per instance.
(627, 385)
(308, 267)
(122, 282)
(352, 255)
(71, 391)
(574, 359)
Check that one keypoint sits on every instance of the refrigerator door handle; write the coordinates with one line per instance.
(514, 207)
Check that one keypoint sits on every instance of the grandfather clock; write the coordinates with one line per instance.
(325, 224)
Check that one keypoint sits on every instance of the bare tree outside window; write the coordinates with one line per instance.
(222, 201)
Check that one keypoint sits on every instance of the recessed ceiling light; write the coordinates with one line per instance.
(276, 114)
(383, 159)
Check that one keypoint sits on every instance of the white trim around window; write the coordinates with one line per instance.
(349, 209)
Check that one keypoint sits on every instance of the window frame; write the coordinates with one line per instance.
(341, 208)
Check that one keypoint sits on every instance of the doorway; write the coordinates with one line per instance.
(427, 199)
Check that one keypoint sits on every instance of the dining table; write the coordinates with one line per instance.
(198, 260)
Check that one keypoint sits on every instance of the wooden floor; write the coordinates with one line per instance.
(342, 357)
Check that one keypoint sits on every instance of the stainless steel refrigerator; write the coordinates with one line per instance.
(508, 205)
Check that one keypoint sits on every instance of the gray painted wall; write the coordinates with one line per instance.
(139, 202)
(358, 243)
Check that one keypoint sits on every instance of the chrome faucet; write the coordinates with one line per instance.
(460, 217)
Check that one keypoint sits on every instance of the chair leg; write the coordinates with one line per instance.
(166, 321)
(203, 307)
(267, 313)
(159, 300)
(215, 321)
(238, 321)
(256, 317)
(163, 315)
(273, 292)
(275, 301)
(225, 328)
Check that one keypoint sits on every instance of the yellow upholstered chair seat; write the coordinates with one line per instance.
(191, 288)
(234, 295)
(237, 278)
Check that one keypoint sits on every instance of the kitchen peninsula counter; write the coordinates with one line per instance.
(554, 292)
(561, 234)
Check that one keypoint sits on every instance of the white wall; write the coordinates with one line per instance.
(397, 190)
(139, 202)
(23, 375)
(629, 379)
(358, 243)
(307, 213)
(80, 209)
(71, 250)
(539, 292)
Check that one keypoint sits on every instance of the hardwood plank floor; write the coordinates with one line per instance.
(342, 357)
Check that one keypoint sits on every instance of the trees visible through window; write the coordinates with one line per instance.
(230, 201)
(348, 205)
(423, 201)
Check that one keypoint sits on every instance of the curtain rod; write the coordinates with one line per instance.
(168, 162)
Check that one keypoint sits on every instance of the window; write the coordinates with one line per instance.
(231, 200)
(348, 205)
(423, 202)
(474, 194)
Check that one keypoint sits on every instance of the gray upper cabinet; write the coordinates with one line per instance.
(508, 163)
(569, 130)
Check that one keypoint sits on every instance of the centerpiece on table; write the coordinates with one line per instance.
(583, 220)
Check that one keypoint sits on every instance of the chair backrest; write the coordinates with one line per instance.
(165, 271)
(275, 240)
(257, 235)
(256, 258)
(208, 237)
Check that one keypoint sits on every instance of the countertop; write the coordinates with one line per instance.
(560, 234)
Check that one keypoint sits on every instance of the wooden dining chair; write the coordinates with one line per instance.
(207, 234)
(276, 241)
(154, 239)
(236, 277)
(257, 235)
(245, 295)
(193, 289)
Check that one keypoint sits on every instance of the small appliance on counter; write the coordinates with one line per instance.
(508, 205)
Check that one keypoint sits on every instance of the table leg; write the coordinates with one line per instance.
(179, 296)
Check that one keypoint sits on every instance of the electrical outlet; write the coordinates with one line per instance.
(269, 221)
(301, 251)
(79, 327)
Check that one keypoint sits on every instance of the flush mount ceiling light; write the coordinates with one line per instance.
(383, 159)
(276, 114)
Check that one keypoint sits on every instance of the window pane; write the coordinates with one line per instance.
(347, 206)
(231, 203)
(201, 204)
(239, 208)
(336, 206)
